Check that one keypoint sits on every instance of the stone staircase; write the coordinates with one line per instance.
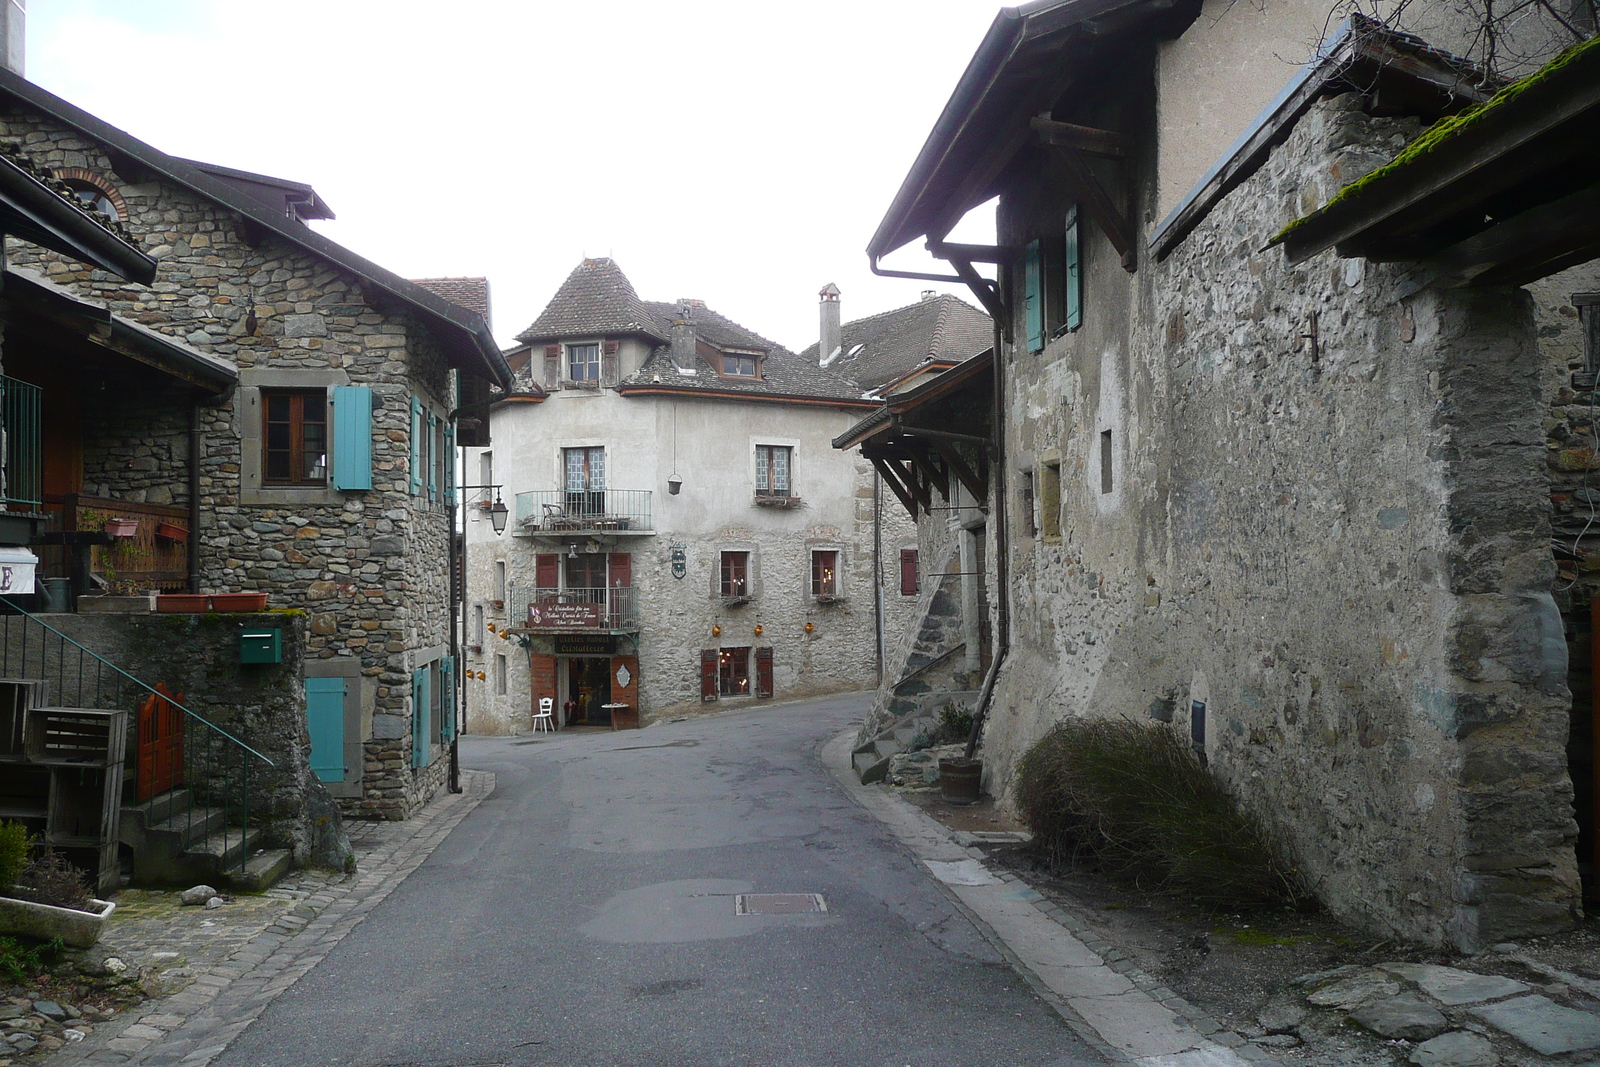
(920, 719)
(178, 842)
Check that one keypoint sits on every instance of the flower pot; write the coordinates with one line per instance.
(80, 929)
(122, 528)
(960, 779)
(176, 602)
(171, 531)
(238, 602)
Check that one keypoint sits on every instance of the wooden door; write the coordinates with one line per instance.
(763, 672)
(625, 680)
(160, 759)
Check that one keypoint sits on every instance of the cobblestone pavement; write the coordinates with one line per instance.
(231, 962)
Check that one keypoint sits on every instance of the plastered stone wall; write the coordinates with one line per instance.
(1340, 548)
(710, 445)
(369, 568)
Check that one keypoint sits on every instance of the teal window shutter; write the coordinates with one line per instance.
(1033, 295)
(352, 436)
(1074, 273)
(416, 446)
(433, 456)
(419, 717)
(325, 724)
(450, 464)
(447, 682)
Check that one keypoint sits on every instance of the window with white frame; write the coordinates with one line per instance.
(773, 465)
(583, 362)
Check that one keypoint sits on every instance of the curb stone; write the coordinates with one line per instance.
(193, 1027)
(1210, 1044)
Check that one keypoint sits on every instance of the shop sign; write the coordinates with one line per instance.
(585, 645)
(680, 561)
(552, 615)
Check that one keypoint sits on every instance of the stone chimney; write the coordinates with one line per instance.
(831, 338)
(13, 35)
(683, 338)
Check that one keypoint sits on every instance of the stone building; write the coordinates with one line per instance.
(1297, 508)
(683, 531)
(299, 439)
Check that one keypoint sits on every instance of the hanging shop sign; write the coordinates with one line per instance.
(552, 615)
(680, 561)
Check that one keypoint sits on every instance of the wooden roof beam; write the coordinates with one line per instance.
(1106, 143)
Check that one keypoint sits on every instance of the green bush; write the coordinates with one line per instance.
(1134, 797)
(17, 963)
(50, 878)
(14, 841)
(955, 724)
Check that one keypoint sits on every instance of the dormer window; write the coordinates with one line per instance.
(737, 364)
(583, 362)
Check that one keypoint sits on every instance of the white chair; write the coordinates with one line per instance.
(546, 719)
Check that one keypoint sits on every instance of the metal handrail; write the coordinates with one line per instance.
(136, 681)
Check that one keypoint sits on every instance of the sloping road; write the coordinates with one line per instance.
(585, 914)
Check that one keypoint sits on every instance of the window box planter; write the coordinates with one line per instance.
(779, 502)
(829, 598)
(80, 929)
(182, 602)
(171, 531)
(238, 602)
(122, 528)
(735, 601)
(499, 605)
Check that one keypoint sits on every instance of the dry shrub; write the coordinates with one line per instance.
(1137, 799)
(49, 878)
(14, 843)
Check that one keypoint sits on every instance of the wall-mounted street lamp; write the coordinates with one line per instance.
(498, 512)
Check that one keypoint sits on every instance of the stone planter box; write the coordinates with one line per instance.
(80, 929)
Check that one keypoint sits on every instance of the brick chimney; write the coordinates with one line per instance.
(828, 348)
(13, 35)
(683, 338)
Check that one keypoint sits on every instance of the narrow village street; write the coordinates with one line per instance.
(585, 913)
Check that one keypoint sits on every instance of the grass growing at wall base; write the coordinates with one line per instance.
(1136, 799)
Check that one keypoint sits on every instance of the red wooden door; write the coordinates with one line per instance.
(763, 672)
(708, 674)
(160, 760)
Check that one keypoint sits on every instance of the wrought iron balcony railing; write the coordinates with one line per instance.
(22, 467)
(546, 610)
(557, 511)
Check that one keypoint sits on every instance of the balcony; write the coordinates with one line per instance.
(23, 467)
(566, 611)
(559, 512)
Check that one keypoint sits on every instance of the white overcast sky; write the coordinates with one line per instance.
(737, 152)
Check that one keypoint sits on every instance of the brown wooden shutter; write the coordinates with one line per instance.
(708, 674)
(552, 366)
(910, 585)
(543, 671)
(625, 694)
(763, 672)
(620, 567)
(608, 365)
(547, 570)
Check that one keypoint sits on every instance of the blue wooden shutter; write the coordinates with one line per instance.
(447, 682)
(419, 717)
(450, 464)
(352, 436)
(325, 724)
(433, 456)
(1074, 274)
(416, 445)
(1033, 295)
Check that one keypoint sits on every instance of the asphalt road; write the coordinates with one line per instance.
(585, 914)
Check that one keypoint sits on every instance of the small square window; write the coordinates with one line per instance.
(295, 442)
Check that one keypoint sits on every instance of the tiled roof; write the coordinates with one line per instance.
(782, 372)
(596, 298)
(470, 293)
(880, 348)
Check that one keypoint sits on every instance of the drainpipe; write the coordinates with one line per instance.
(458, 606)
(877, 562)
(1002, 543)
(194, 497)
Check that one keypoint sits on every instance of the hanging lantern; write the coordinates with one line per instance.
(809, 627)
(716, 631)
(758, 629)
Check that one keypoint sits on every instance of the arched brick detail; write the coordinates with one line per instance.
(89, 177)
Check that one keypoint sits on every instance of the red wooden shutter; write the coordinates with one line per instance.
(763, 672)
(543, 670)
(708, 674)
(547, 570)
(909, 583)
(621, 568)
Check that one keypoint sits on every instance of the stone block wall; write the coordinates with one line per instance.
(369, 568)
(1327, 525)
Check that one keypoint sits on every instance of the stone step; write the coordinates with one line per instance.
(224, 847)
(886, 747)
(261, 871)
(159, 808)
(870, 768)
(191, 825)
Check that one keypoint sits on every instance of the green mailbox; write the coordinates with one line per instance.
(261, 646)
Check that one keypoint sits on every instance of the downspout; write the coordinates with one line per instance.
(877, 562)
(194, 497)
(458, 606)
(1002, 549)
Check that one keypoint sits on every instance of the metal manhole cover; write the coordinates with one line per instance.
(778, 903)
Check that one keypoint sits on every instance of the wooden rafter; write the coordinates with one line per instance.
(893, 482)
(969, 478)
(1098, 204)
(1106, 143)
(935, 477)
(908, 474)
